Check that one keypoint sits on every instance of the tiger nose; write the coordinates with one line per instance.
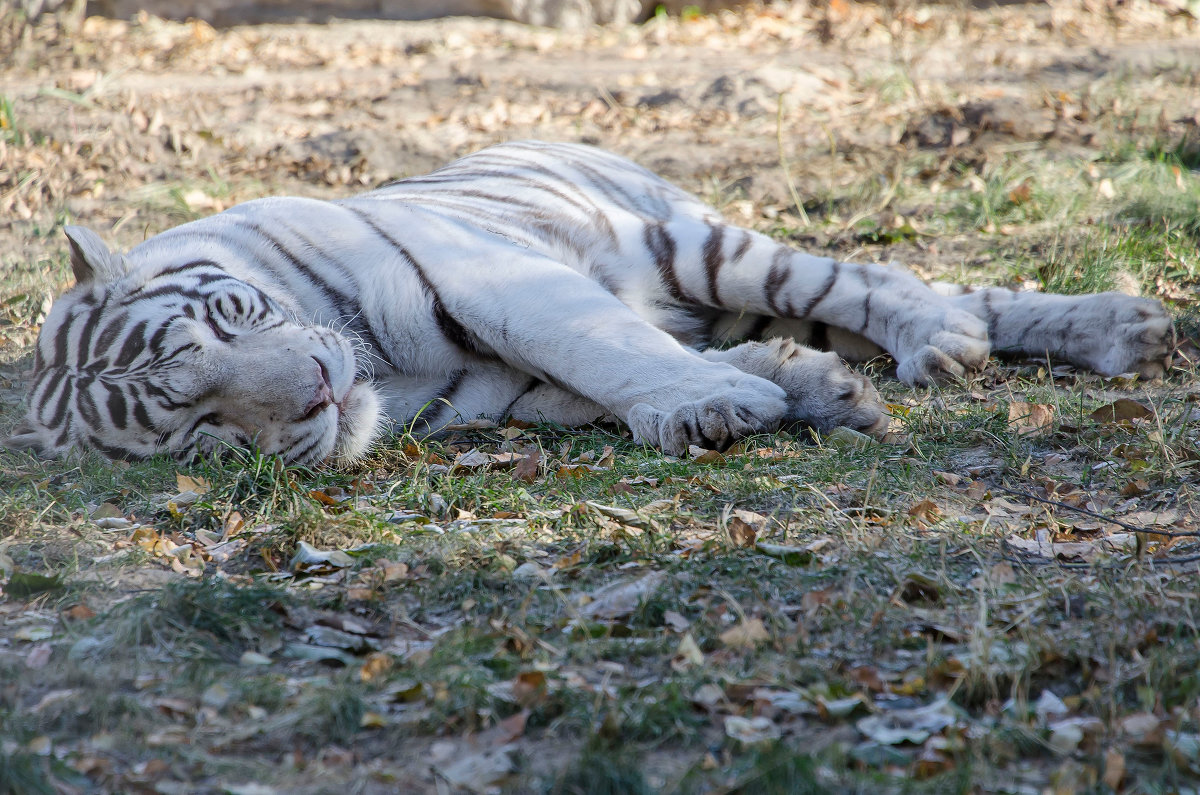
(323, 396)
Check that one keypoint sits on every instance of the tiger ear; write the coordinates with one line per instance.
(91, 261)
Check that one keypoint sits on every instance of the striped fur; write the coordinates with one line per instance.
(538, 281)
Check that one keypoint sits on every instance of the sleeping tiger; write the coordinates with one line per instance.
(536, 281)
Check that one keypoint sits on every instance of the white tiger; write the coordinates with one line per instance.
(543, 282)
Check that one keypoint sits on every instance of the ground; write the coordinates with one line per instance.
(1002, 597)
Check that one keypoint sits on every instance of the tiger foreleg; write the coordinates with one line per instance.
(568, 331)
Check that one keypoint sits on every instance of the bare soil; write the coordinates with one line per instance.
(129, 126)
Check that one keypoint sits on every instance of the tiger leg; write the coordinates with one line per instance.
(821, 390)
(1110, 333)
(495, 391)
(486, 391)
(744, 272)
(542, 318)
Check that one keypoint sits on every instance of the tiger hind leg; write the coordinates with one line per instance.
(1110, 333)
(746, 274)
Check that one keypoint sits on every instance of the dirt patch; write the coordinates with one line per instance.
(116, 117)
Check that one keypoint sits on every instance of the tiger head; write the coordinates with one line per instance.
(187, 360)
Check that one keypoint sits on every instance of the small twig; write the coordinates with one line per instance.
(1130, 527)
(1166, 560)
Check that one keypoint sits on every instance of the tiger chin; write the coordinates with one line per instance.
(535, 281)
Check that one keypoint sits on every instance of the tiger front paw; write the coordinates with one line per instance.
(751, 406)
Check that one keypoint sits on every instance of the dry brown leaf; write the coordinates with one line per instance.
(1122, 410)
(393, 570)
(233, 525)
(526, 469)
(925, 511)
(687, 654)
(322, 497)
(578, 470)
(189, 483)
(1022, 192)
(813, 600)
(741, 532)
(529, 688)
(503, 733)
(746, 635)
(79, 613)
(376, 664)
(1030, 419)
(949, 478)
(607, 457)
(1114, 768)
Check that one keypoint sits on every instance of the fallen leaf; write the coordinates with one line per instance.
(1114, 769)
(376, 664)
(918, 587)
(1184, 748)
(196, 485)
(79, 613)
(916, 725)
(1142, 728)
(529, 688)
(372, 720)
(106, 510)
(843, 438)
(702, 455)
(1122, 410)
(687, 654)
(1022, 192)
(38, 656)
(479, 772)
(1049, 706)
(310, 560)
(1029, 419)
(838, 708)
(620, 599)
(503, 733)
(751, 731)
(744, 527)
(708, 695)
(676, 621)
(526, 469)
(746, 634)
(471, 459)
(925, 512)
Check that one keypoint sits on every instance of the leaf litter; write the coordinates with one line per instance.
(506, 597)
